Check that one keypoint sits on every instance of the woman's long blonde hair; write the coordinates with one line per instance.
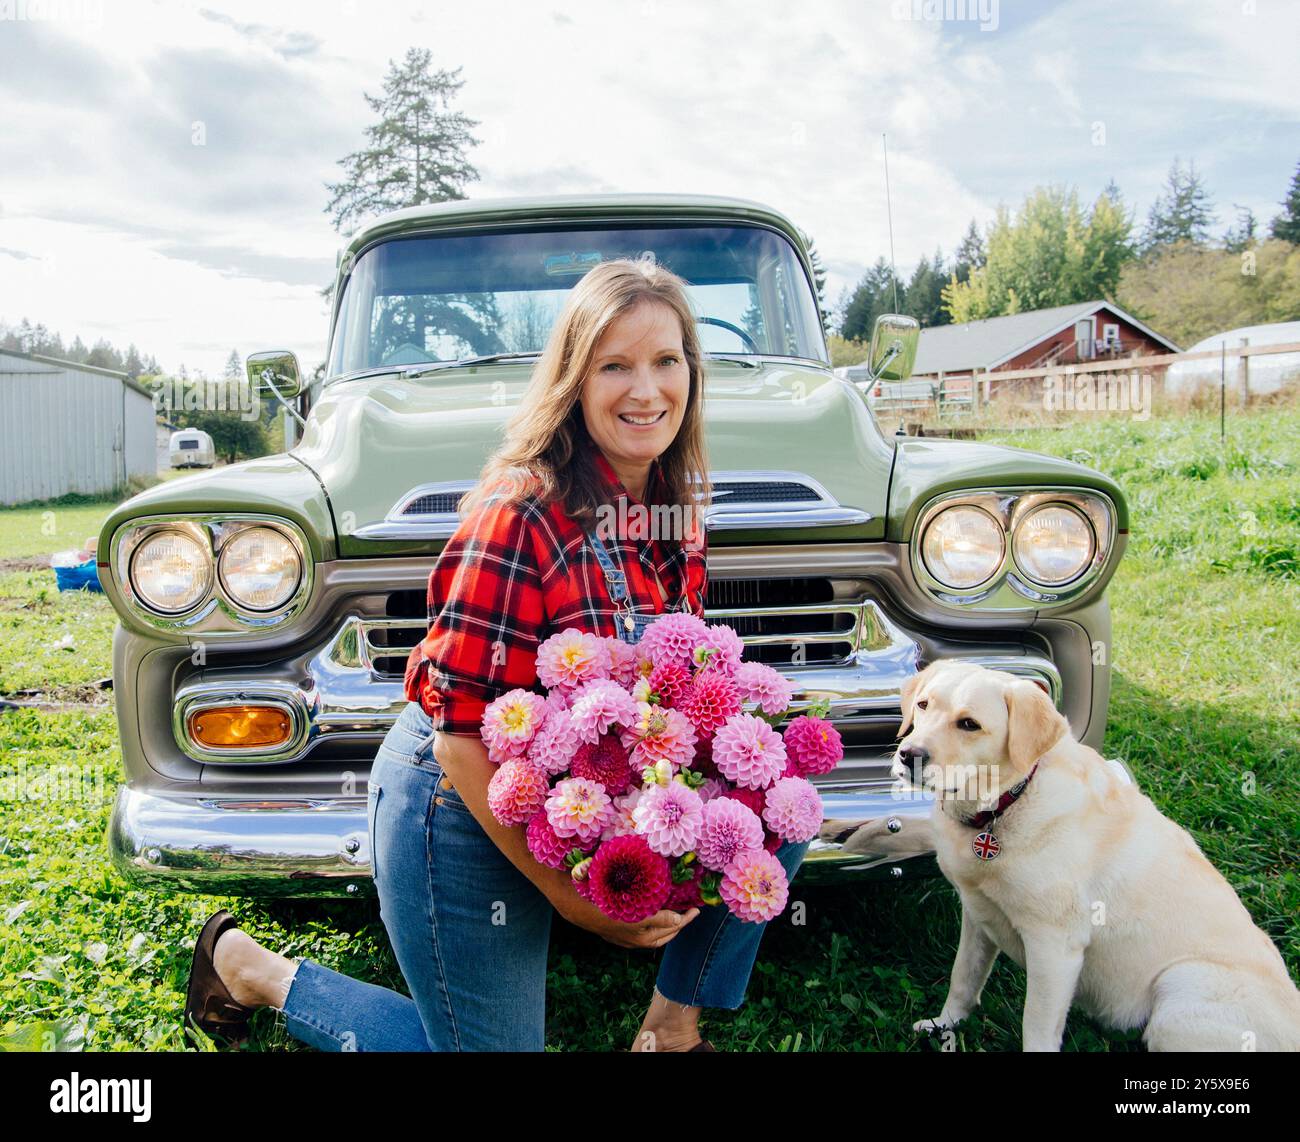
(547, 449)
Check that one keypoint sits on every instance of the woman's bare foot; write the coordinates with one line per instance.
(255, 976)
(668, 1026)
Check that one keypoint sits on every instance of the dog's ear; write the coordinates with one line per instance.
(907, 697)
(1034, 725)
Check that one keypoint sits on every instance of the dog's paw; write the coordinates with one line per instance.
(931, 1026)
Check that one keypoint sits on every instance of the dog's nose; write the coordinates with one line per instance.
(915, 757)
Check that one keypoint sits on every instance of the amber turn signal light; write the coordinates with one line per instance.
(240, 727)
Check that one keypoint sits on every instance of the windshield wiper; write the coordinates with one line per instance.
(464, 363)
(733, 359)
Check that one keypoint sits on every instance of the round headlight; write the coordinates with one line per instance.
(171, 572)
(259, 568)
(963, 547)
(1053, 544)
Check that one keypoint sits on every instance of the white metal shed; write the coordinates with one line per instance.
(66, 427)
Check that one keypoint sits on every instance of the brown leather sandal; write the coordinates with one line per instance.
(208, 1004)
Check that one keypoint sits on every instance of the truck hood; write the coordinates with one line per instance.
(372, 440)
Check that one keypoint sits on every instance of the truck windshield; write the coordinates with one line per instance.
(412, 301)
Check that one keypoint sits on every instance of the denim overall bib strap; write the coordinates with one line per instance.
(630, 625)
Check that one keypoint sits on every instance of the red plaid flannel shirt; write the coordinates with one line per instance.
(512, 575)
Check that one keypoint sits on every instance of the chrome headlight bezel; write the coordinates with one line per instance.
(1010, 588)
(216, 612)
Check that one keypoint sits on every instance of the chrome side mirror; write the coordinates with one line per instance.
(893, 347)
(277, 370)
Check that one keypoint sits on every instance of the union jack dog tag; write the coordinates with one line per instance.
(985, 846)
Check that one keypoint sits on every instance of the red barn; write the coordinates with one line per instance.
(1063, 335)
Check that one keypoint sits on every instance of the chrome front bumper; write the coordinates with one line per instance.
(244, 846)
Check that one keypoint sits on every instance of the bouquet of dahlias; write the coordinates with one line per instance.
(654, 771)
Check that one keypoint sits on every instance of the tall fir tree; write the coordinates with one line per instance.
(1183, 213)
(416, 151)
(1287, 224)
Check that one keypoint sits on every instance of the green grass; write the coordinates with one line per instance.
(1204, 709)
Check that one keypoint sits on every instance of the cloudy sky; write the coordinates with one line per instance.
(162, 165)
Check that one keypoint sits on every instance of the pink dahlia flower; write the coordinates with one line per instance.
(554, 745)
(813, 746)
(659, 734)
(622, 656)
(599, 705)
(754, 886)
(622, 823)
(759, 683)
(547, 846)
(710, 701)
(517, 790)
(792, 809)
(712, 787)
(726, 644)
(729, 829)
(572, 657)
(749, 752)
(628, 880)
(673, 637)
(669, 817)
(605, 762)
(510, 722)
(579, 807)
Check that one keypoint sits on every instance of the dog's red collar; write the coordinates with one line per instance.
(987, 816)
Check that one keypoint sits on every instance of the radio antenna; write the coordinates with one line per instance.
(889, 214)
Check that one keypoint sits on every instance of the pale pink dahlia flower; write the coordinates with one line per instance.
(792, 809)
(759, 683)
(673, 637)
(510, 722)
(754, 886)
(813, 746)
(726, 643)
(622, 656)
(517, 791)
(572, 657)
(749, 752)
(669, 817)
(553, 747)
(622, 822)
(599, 705)
(579, 807)
(729, 829)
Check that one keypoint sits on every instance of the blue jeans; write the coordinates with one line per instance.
(470, 931)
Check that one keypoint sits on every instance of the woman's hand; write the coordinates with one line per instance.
(654, 932)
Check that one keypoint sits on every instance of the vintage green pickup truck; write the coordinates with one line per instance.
(267, 608)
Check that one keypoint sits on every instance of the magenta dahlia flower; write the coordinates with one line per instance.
(730, 828)
(669, 817)
(599, 705)
(517, 790)
(628, 880)
(547, 846)
(670, 680)
(812, 745)
(604, 762)
(659, 734)
(711, 699)
(572, 657)
(673, 637)
(685, 895)
(579, 807)
(759, 683)
(792, 809)
(554, 745)
(754, 886)
(510, 722)
(749, 752)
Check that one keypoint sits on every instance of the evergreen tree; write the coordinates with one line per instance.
(415, 153)
(875, 294)
(1287, 224)
(971, 253)
(1242, 234)
(923, 297)
(1183, 213)
(234, 366)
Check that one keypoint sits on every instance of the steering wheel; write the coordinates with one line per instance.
(745, 337)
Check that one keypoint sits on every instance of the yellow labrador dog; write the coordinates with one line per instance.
(1066, 867)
